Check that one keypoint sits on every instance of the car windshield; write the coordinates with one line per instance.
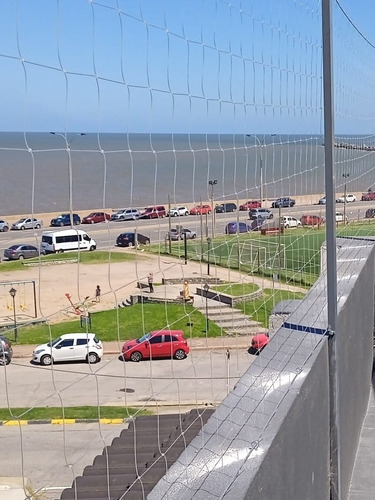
(21, 220)
(54, 342)
(144, 338)
(149, 210)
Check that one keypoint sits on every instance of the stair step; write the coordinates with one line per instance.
(235, 322)
(251, 331)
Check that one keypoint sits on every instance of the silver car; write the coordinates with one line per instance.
(178, 234)
(22, 251)
(126, 214)
(4, 226)
(27, 223)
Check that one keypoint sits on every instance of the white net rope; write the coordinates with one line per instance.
(211, 111)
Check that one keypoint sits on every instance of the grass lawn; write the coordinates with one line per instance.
(127, 323)
(236, 289)
(260, 309)
(86, 412)
(96, 257)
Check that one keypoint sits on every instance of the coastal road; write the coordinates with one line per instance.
(203, 377)
(106, 234)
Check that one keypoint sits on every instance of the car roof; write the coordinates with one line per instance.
(167, 332)
(77, 335)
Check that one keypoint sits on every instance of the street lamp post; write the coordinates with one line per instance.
(345, 175)
(208, 255)
(13, 292)
(212, 185)
(205, 288)
(68, 144)
(261, 145)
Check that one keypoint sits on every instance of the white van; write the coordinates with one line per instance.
(65, 240)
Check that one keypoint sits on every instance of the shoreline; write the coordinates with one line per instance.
(47, 216)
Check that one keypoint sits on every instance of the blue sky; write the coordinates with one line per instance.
(162, 66)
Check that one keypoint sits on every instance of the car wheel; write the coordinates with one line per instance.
(136, 356)
(186, 213)
(180, 354)
(5, 229)
(286, 226)
(60, 251)
(22, 228)
(130, 244)
(92, 248)
(46, 360)
(61, 224)
(4, 360)
(76, 222)
(21, 257)
(271, 216)
(37, 226)
(194, 236)
(147, 241)
(91, 222)
(92, 358)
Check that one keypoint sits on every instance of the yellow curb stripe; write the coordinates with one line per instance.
(15, 422)
(111, 420)
(61, 421)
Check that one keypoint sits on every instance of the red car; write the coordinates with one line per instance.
(201, 209)
(251, 204)
(95, 217)
(258, 343)
(154, 212)
(312, 220)
(157, 344)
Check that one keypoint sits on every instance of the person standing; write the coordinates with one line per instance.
(150, 279)
(98, 292)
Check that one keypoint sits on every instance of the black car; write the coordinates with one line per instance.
(370, 213)
(283, 202)
(129, 239)
(6, 351)
(64, 220)
(225, 208)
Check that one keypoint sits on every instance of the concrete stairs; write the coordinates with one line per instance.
(232, 321)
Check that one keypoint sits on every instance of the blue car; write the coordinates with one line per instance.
(231, 228)
(64, 220)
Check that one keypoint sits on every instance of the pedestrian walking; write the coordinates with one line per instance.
(150, 279)
(97, 293)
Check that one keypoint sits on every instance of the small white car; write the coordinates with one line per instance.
(27, 223)
(340, 217)
(4, 226)
(70, 347)
(178, 212)
(349, 198)
(290, 221)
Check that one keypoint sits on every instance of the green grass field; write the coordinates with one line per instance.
(126, 323)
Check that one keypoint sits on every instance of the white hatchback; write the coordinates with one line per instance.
(290, 221)
(70, 347)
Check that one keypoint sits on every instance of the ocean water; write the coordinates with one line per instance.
(136, 170)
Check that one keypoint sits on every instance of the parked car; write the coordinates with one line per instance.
(233, 227)
(126, 214)
(312, 220)
(349, 198)
(70, 347)
(157, 344)
(260, 213)
(283, 202)
(290, 221)
(322, 201)
(4, 226)
(6, 351)
(369, 196)
(250, 204)
(178, 233)
(65, 220)
(154, 212)
(201, 209)
(27, 223)
(129, 239)
(340, 217)
(370, 213)
(21, 251)
(96, 217)
(258, 343)
(225, 208)
(178, 211)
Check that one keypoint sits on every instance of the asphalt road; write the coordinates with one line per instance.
(105, 234)
(203, 377)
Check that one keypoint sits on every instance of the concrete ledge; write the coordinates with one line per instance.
(63, 421)
(224, 298)
(192, 281)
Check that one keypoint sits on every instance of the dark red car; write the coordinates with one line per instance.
(95, 217)
(251, 204)
(157, 344)
(312, 220)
